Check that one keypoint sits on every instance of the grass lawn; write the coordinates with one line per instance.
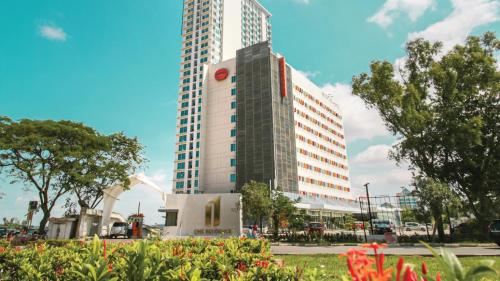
(331, 267)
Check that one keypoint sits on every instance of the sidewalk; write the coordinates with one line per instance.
(488, 250)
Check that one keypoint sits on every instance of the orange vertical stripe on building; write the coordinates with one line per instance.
(282, 69)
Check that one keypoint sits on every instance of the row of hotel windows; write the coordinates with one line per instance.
(316, 195)
(303, 103)
(322, 171)
(322, 159)
(320, 146)
(318, 102)
(313, 109)
(180, 184)
(324, 184)
(318, 134)
(315, 121)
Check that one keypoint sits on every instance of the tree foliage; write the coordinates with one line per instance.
(256, 201)
(282, 210)
(446, 111)
(57, 158)
(432, 197)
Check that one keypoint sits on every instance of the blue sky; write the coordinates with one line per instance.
(113, 65)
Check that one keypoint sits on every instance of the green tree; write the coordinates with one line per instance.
(298, 220)
(433, 196)
(256, 202)
(54, 157)
(282, 210)
(408, 215)
(113, 164)
(446, 112)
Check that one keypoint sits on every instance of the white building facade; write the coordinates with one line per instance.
(212, 31)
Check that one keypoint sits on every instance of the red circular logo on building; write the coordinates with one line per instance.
(221, 74)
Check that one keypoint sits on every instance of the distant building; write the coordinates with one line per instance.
(406, 199)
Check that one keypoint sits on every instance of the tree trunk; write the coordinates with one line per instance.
(276, 226)
(440, 227)
(43, 222)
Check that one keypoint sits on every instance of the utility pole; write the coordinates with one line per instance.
(369, 207)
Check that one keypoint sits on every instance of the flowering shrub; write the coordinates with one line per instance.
(189, 259)
(364, 268)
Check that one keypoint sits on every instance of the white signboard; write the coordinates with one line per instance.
(202, 215)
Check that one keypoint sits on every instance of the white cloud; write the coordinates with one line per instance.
(309, 74)
(392, 9)
(52, 32)
(465, 17)
(359, 121)
(374, 155)
(374, 166)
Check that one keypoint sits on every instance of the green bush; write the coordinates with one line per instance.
(188, 259)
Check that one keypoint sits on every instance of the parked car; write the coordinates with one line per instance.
(414, 226)
(3, 232)
(494, 231)
(359, 225)
(381, 226)
(119, 229)
(316, 228)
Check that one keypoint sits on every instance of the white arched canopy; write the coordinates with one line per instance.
(111, 195)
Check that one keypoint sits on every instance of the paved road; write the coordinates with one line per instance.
(406, 251)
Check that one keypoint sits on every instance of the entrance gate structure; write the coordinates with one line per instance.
(111, 195)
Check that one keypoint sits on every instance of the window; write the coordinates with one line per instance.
(183, 130)
(233, 163)
(233, 147)
(233, 118)
(185, 104)
(184, 112)
(180, 175)
(232, 177)
(179, 184)
(233, 79)
(181, 156)
(182, 138)
(195, 183)
(182, 147)
(171, 217)
(233, 92)
(181, 166)
(233, 104)
(184, 121)
(233, 133)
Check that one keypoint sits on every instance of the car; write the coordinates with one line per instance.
(359, 225)
(316, 228)
(381, 226)
(494, 231)
(414, 226)
(3, 232)
(119, 229)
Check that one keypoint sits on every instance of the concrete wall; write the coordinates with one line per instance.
(216, 139)
(224, 215)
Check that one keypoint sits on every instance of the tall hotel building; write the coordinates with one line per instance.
(212, 31)
(245, 114)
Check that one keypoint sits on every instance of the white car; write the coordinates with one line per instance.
(414, 226)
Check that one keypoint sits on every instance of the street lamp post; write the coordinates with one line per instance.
(369, 207)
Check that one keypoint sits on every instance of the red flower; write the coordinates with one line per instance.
(241, 266)
(438, 276)
(399, 268)
(110, 267)
(2, 250)
(263, 264)
(104, 246)
(424, 268)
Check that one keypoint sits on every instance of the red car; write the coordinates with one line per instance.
(315, 228)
